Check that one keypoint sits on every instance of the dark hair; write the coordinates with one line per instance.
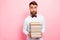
(33, 2)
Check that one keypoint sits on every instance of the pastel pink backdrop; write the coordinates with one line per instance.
(13, 13)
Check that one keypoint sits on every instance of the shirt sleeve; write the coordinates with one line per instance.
(25, 27)
(43, 25)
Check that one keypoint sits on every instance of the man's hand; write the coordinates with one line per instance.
(29, 34)
(41, 34)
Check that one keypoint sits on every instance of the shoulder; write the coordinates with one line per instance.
(40, 15)
(27, 18)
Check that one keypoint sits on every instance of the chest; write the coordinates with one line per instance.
(34, 20)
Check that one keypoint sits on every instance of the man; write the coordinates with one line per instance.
(33, 17)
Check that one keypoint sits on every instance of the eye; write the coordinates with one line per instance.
(31, 7)
(35, 7)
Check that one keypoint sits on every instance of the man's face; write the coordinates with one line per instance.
(33, 9)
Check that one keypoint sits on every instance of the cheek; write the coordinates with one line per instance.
(31, 10)
(35, 9)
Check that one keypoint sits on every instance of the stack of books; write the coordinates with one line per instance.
(35, 30)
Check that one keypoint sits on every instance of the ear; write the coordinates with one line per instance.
(29, 7)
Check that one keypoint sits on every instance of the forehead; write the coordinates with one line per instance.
(33, 5)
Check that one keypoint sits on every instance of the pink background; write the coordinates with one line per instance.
(13, 13)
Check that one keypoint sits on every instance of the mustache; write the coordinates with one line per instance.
(33, 13)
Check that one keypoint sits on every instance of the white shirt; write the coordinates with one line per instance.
(29, 19)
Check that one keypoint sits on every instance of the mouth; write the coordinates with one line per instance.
(33, 13)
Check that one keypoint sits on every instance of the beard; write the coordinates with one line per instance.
(33, 14)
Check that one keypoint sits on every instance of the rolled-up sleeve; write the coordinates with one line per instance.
(43, 25)
(25, 27)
